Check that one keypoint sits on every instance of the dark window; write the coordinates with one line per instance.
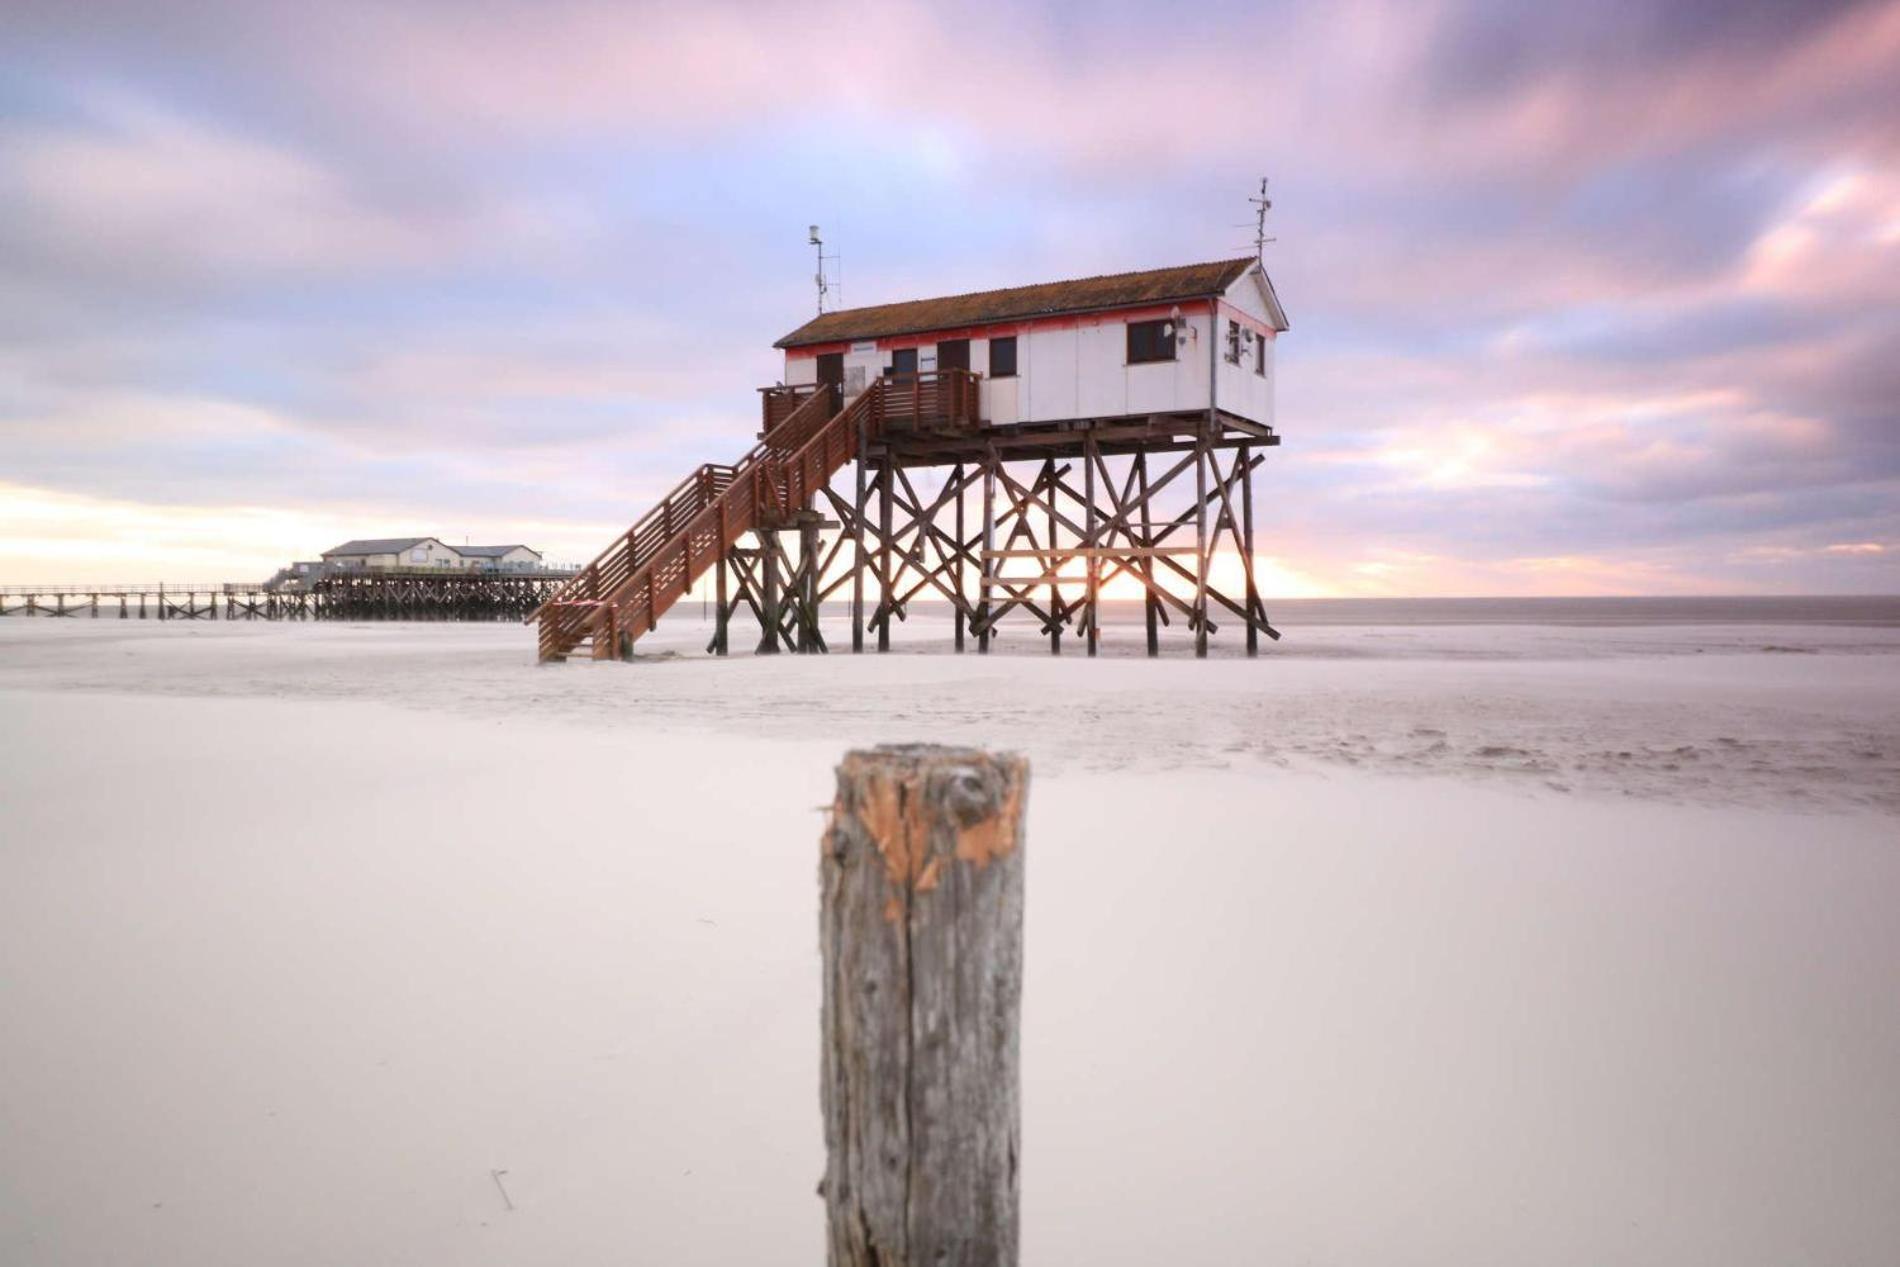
(1233, 343)
(1260, 355)
(953, 354)
(1003, 357)
(903, 361)
(1150, 341)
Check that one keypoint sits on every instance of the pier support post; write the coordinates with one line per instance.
(1246, 540)
(1054, 564)
(921, 937)
(1150, 603)
(987, 564)
(1202, 456)
(809, 639)
(768, 591)
(887, 595)
(1093, 563)
(858, 554)
(956, 570)
(722, 610)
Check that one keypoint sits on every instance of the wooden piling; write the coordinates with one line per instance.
(768, 592)
(723, 606)
(921, 925)
(885, 590)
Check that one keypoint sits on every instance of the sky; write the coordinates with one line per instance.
(1585, 299)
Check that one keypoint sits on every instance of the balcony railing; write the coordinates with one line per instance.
(930, 400)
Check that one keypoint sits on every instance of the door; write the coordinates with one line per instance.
(831, 375)
(953, 354)
(956, 392)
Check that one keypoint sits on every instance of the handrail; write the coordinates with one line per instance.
(777, 403)
(699, 485)
(783, 469)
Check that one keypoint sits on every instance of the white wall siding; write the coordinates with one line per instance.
(1242, 391)
(1046, 360)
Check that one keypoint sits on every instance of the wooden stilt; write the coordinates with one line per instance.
(768, 596)
(1055, 590)
(956, 478)
(1092, 614)
(722, 610)
(859, 559)
(986, 565)
(1200, 544)
(1254, 609)
(1151, 604)
(885, 550)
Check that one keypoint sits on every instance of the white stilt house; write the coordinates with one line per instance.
(1086, 380)
(1169, 341)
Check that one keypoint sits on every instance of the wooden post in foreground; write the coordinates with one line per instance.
(921, 930)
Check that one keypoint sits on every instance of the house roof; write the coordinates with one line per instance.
(491, 552)
(1086, 294)
(377, 545)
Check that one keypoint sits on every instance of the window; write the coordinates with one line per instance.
(903, 361)
(1150, 341)
(953, 354)
(1003, 357)
(1260, 355)
(1233, 343)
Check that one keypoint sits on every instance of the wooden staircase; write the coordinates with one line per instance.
(623, 593)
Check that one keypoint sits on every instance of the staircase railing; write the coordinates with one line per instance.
(776, 404)
(655, 562)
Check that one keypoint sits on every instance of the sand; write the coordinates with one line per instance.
(1451, 946)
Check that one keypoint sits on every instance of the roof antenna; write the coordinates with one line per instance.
(1261, 206)
(835, 281)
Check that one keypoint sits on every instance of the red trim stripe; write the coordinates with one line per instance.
(1070, 321)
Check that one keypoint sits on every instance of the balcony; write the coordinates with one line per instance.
(930, 402)
(935, 400)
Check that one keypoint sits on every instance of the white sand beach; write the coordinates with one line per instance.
(1435, 945)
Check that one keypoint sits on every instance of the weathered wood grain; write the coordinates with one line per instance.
(921, 924)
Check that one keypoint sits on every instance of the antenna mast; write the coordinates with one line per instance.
(1261, 206)
(826, 284)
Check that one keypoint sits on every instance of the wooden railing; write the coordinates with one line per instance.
(776, 404)
(935, 398)
(646, 571)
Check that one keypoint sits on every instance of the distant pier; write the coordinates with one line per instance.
(381, 594)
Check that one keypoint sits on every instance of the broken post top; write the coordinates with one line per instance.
(899, 793)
